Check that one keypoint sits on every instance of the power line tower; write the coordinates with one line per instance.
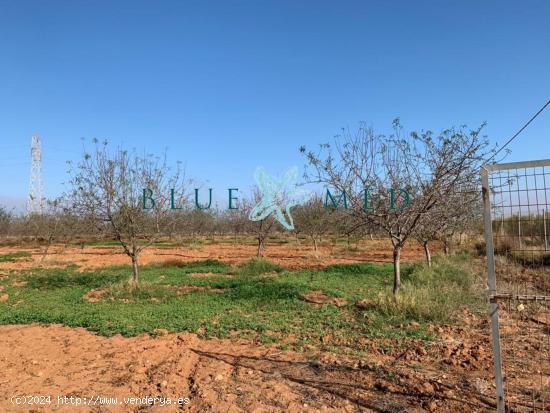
(35, 203)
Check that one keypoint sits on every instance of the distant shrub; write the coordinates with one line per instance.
(502, 246)
(480, 249)
(505, 245)
(174, 262)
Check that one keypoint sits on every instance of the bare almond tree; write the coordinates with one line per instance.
(56, 223)
(314, 220)
(234, 222)
(391, 181)
(6, 219)
(128, 196)
(261, 229)
(460, 210)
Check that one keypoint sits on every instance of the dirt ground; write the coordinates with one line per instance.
(289, 255)
(237, 376)
(450, 374)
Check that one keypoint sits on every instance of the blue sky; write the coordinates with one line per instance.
(228, 86)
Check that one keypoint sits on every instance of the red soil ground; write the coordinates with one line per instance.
(451, 374)
(289, 255)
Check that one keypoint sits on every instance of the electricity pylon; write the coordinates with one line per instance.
(35, 203)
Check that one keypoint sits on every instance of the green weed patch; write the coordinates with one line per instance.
(243, 301)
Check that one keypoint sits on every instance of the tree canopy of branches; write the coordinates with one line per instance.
(261, 228)
(314, 220)
(5, 220)
(457, 212)
(391, 182)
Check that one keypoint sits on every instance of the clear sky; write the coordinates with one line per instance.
(228, 86)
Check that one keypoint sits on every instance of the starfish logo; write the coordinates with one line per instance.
(278, 196)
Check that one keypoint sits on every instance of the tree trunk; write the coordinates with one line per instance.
(396, 270)
(48, 245)
(135, 271)
(446, 246)
(427, 253)
(259, 252)
(315, 244)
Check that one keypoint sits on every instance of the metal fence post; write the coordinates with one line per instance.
(488, 229)
(544, 223)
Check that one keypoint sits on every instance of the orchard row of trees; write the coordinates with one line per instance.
(438, 172)
(313, 222)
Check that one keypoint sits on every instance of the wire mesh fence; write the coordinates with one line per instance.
(517, 229)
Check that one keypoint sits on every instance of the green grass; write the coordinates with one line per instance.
(242, 299)
(434, 294)
(14, 255)
(102, 243)
(126, 292)
(258, 266)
